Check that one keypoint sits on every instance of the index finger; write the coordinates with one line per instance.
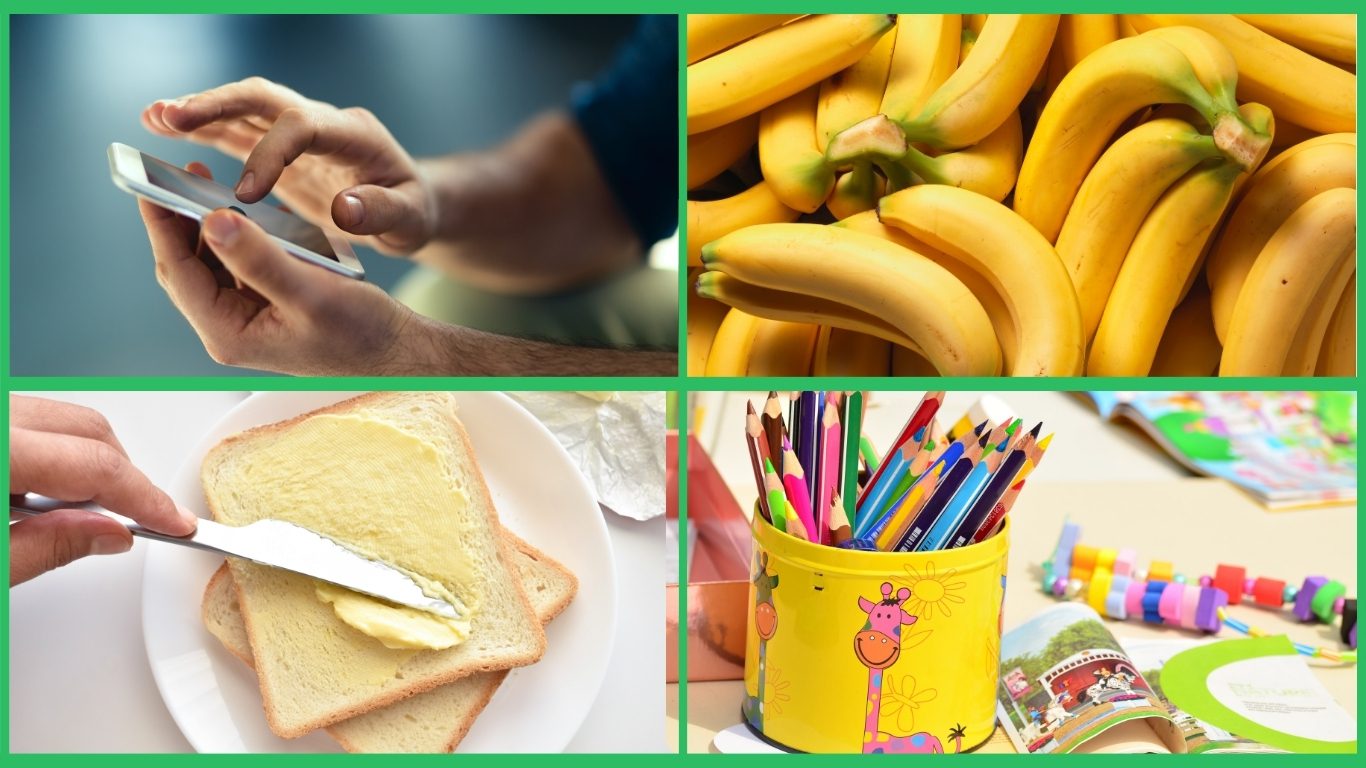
(252, 97)
(43, 415)
(74, 468)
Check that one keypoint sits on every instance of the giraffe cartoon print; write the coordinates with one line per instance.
(766, 625)
(878, 646)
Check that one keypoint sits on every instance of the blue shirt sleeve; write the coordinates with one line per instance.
(630, 117)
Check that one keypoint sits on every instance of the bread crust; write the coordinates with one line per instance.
(416, 686)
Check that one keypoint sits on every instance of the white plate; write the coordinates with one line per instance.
(539, 495)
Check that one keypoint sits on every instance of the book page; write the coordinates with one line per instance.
(1065, 680)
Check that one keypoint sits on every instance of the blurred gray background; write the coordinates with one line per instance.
(83, 299)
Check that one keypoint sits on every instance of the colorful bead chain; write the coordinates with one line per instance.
(1110, 582)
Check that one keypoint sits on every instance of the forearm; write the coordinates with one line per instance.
(429, 348)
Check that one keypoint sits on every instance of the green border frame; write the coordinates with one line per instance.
(681, 384)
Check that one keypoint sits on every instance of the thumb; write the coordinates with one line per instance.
(54, 539)
(396, 216)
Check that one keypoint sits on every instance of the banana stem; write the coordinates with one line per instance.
(924, 166)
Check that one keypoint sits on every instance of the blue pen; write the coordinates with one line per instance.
(956, 509)
(898, 463)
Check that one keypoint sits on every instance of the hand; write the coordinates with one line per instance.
(281, 314)
(70, 453)
(329, 165)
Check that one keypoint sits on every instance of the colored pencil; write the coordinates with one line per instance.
(794, 482)
(868, 453)
(839, 522)
(774, 429)
(929, 404)
(958, 507)
(994, 521)
(808, 415)
(758, 451)
(853, 430)
(777, 498)
(982, 506)
(949, 484)
(906, 512)
(879, 491)
(795, 526)
(829, 467)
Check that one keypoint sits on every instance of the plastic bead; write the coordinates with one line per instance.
(1115, 598)
(1249, 586)
(1338, 604)
(1124, 562)
(1206, 581)
(1083, 561)
(1105, 558)
(1349, 622)
(1179, 578)
(1268, 592)
(1305, 598)
(1059, 586)
(1074, 588)
(1099, 588)
(1160, 570)
(1190, 603)
(1324, 599)
(1169, 608)
(1207, 613)
(1062, 557)
(1133, 597)
(1291, 593)
(1230, 579)
(1152, 598)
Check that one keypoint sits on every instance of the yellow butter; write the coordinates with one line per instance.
(426, 541)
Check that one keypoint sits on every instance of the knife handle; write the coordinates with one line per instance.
(34, 505)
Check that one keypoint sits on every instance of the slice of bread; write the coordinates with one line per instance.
(435, 721)
(391, 474)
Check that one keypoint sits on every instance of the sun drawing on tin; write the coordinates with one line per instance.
(900, 700)
(777, 691)
(932, 591)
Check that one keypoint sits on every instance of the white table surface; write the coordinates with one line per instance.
(79, 678)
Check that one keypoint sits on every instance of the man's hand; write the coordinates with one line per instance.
(281, 314)
(70, 453)
(332, 166)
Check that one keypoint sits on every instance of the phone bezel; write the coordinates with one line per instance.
(129, 174)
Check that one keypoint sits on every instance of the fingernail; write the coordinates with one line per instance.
(188, 516)
(355, 209)
(244, 186)
(110, 544)
(222, 229)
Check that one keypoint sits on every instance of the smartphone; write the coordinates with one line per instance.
(159, 182)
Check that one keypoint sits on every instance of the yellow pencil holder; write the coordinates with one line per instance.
(850, 651)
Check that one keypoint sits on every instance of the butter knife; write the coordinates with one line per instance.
(278, 544)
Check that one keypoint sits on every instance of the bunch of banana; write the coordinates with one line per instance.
(1115, 195)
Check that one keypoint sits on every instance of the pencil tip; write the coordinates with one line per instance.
(1036, 430)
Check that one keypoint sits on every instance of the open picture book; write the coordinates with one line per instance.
(1287, 449)
(1068, 685)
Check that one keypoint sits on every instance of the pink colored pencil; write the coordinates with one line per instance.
(829, 468)
(794, 480)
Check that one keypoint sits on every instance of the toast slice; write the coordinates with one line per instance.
(393, 475)
(435, 721)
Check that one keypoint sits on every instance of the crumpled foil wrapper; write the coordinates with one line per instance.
(616, 439)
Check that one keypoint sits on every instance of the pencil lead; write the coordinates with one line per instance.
(1034, 433)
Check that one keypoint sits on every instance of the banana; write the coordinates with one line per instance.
(782, 349)
(841, 352)
(925, 55)
(1309, 338)
(1114, 200)
(983, 92)
(1284, 280)
(709, 33)
(1014, 259)
(711, 153)
(836, 264)
(793, 167)
(1326, 35)
(1276, 191)
(1214, 66)
(1338, 356)
(1162, 259)
(908, 362)
(1079, 34)
(987, 168)
(1189, 346)
(732, 345)
(992, 301)
(1093, 100)
(855, 192)
(854, 94)
(710, 219)
(704, 318)
(1295, 85)
(796, 307)
(766, 69)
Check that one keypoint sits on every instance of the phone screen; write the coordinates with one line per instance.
(213, 195)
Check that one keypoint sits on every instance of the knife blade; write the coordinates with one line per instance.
(278, 544)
